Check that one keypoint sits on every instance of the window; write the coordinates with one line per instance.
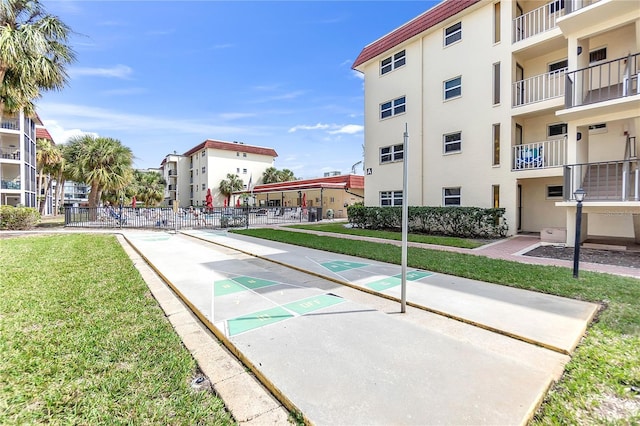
(203, 153)
(451, 196)
(244, 154)
(555, 191)
(453, 34)
(389, 154)
(395, 107)
(244, 171)
(496, 22)
(390, 198)
(598, 128)
(392, 62)
(559, 129)
(238, 170)
(237, 154)
(496, 196)
(203, 186)
(598, 55)
(558, 66)
(453, 88)
(496, 83)
(452, 142)
(496, 144)
(203, 169)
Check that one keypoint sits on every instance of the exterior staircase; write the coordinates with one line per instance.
(613, 180)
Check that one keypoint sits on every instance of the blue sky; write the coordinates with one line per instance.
(163, 76)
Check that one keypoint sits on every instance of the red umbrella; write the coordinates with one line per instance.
(133, 202)
(238, 203)
(304, 200)
(209, 199)
(225, 202)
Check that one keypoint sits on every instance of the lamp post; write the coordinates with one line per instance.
(579, 196)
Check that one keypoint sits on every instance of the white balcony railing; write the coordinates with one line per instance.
(538, 88)
(537, 21)
(539, 155)
(573, 5)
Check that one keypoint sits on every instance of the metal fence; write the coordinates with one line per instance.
(167, 218)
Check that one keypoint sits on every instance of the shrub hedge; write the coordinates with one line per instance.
(18, 218)
(466, 222)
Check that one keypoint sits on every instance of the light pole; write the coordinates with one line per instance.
(579, 196)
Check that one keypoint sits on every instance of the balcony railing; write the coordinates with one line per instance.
(10, 184)
(10, 154)
(539, 155)
(537, 21)
(10, 123)
(173, 172)
(604, 181)
(539, 88)
(610, 80)
(573, 5)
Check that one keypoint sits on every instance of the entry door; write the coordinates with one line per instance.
(520, 86)
(519, 208)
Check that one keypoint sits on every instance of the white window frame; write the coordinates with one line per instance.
(392, 108)
(591, 52)
(554, 64)
(390, 198)
(446, 143)
(453, 35)
(446, 197)
(554, 197)
(393, 62)
(204, 168)
(594, 129)
(453, 88)
(392, 153)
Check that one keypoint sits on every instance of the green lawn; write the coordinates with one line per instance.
(597, 387)
(84, 342)
(390, 235)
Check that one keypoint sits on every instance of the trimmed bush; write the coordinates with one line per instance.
(18, 218)
(465, 222)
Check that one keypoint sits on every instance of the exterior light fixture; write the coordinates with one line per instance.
(579, 195)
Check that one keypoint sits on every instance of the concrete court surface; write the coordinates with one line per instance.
(342, 356)
(553, 322)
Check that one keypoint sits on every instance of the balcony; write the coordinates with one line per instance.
(10, 154)
(537, 21)
(539, 155)
(173, 172)
(538, 88)
(593, 14)
(604, 181)
(610, 80)
(172, 187)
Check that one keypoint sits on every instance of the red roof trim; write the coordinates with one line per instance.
(340, 181)
(232, 146)
(430, 18)
(42, 133)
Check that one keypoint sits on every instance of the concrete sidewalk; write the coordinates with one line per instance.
(345, 356)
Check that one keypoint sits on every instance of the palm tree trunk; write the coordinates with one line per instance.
(59, 198)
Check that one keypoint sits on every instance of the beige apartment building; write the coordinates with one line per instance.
(513, 104)
(204, 166)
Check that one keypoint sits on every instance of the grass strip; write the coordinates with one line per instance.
(82, 340)
(599, 381)
(339, 228)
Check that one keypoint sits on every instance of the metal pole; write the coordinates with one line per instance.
(576, 244)
(405, 220)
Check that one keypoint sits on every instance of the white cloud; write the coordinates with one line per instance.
(118, 71)
(318, 126)
(61, 135)
(349, 129)
(357, 74)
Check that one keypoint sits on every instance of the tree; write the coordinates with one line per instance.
(286, 175)
(230, 185)
(34, 54)
(270, 175)
(148, 187)
(48, 157)
(102, 163)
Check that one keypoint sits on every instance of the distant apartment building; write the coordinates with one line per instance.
(18, 181)
(513, 104)
(204, 166)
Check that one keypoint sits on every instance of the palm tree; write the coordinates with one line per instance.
(149, 187)
(102, 163)
(270, 175)
(48, 157)
(230, 185)
(286, 175)
(33, 54)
